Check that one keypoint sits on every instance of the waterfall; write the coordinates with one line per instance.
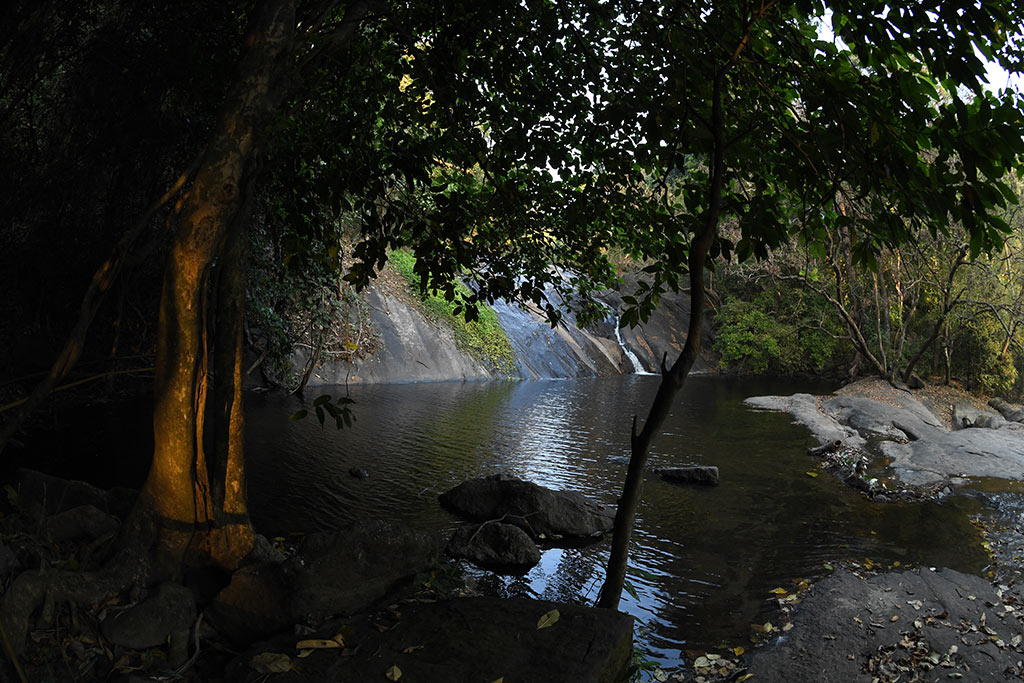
(638, 369)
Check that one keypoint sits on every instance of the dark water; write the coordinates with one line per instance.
(705, 559)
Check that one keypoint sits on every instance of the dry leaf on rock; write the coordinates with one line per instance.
(394, 673)
(548, 619)
(317, 644)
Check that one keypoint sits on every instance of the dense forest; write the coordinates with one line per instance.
(192, 186)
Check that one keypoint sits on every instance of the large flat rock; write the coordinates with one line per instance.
(921, 448)
(463, 639)
(853, 629)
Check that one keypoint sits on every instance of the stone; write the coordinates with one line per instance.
(966, 416)
(922, 450)
(539, 511)
(44, 494)
(1012, 413)
(466, 639)
(170, 610)
(358, 473)
(253, 606)
(8, 562)
(344, 571)
(84, 521)
(690, 474)
(834, 632)
(494, 543)
(263, 551)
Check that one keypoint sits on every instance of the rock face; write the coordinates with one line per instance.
(415, 349)
(494, 544)
(690, 474)
(539, 511)
(847, 625)
(171, 610)
(333, 573)
(465, 639)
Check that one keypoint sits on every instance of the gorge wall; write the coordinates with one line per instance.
(414, 348)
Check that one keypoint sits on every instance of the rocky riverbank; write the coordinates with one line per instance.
(913, 432)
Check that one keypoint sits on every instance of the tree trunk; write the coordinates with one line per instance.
(672, 380)
(194, 494)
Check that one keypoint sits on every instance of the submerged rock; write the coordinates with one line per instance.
(494, 543)
(537, 510)
(690, 474)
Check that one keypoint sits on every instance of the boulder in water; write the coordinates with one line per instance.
(690, 474)
(539, 511)
(494, 544)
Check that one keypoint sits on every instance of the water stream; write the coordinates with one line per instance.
(705, 559)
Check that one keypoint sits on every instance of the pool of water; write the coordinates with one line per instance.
(704, 560)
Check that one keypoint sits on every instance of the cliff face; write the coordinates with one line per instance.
(413, 348)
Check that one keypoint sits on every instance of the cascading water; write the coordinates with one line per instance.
(638, 368)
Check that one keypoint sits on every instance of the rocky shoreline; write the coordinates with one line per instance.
(921, 451)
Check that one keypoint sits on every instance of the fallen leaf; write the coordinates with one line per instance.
(548, 619)
(744, 677)
(779, 591)
(660, 676)
(499, 680)
(271, 663)
(701, 663)
(382, 628)
(894, 617)
(827, 567)
(788, 626)
(412, 648)
(317, 644)
(394, 673)
(738, 651)
(812, 474)
(303, 654)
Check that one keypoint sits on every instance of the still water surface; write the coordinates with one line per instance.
(704, 560)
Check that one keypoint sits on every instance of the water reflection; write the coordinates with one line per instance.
(705, 559)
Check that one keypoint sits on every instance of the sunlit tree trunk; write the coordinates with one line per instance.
(194, 495)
